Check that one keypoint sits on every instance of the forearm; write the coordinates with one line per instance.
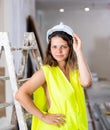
(26, 101)
(85, 74)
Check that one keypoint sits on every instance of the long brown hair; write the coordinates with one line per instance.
(71, 61)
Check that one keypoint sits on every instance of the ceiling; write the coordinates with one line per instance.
(71, 4)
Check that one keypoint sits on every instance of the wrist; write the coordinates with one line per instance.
(79, 53)
(42, 116)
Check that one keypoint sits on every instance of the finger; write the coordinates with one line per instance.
(61, 118)
(60, 115)
(59, 124)
(75, 35)
(60, 121)
(63, 122)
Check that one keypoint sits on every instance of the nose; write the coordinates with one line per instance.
(59, 49)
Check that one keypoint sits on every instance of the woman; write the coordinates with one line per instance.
(59, 102)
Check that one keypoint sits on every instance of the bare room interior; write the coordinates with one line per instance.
(23, 24)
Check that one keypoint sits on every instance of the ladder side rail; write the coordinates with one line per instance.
(11, 69)
(39, 58)
(30, 37)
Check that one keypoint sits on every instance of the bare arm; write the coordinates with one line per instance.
(85, 75)
(24, 93)
(23, 96)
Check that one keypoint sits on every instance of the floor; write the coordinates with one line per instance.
(99, 93)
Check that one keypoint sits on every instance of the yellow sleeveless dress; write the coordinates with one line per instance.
(67, 97)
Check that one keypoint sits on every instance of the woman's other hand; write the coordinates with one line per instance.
(55, 119)
(77, 45)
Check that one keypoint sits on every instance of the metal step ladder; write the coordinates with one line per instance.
(30, 48)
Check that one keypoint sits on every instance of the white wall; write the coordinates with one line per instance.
(13, 15)
(94, 30)
(19, 11)
(4, 21)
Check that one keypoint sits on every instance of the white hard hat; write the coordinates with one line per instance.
(60, 27)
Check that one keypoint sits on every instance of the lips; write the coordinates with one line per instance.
(59, 56)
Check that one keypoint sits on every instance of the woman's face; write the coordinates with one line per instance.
(59, 49)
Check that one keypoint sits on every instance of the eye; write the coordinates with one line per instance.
(54, 46)
(63, 46)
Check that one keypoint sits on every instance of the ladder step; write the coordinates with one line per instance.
(22, 80)
(23, 48)
(4, 105)
(4, 78)
(27, 116)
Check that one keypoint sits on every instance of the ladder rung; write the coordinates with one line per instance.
(3, 105)
(22, 80)
(4, 78)
(27, 116)
(23, 48)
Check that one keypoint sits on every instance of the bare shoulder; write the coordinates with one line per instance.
(37, 80)
(38, 74)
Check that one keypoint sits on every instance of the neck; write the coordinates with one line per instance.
(62, 65)
(65, 70)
